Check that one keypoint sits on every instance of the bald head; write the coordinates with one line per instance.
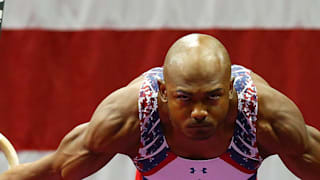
(196, 56)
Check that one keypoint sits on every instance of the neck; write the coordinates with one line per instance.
(213, 147)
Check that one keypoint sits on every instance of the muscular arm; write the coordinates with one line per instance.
(281, 130)
(114, 128)
(307, 164)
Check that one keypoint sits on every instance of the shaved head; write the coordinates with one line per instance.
(197, 87)
(196, 56)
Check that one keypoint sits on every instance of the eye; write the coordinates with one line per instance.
(183, 97)
(214, 96)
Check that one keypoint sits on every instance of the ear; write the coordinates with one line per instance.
(231, 88)
(162, 91)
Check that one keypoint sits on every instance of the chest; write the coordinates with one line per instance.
(217, 168)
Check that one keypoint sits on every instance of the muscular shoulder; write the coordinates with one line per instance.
(273, 105)
(280, 124)
(115, 124)
(122, 102)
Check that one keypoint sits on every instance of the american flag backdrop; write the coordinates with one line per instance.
(59, 59)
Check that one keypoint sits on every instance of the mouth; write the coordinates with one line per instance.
(197, 126)
(199, 131)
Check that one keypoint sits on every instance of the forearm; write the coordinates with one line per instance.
(74, 160)
(41, 169)
(307, 165)
(59, 165)
(311, 158)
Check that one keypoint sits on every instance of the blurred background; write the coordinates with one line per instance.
(59, 59)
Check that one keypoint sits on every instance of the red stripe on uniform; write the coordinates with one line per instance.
(138, 176)
(170, 158)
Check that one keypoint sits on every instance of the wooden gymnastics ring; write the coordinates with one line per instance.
(9, 151)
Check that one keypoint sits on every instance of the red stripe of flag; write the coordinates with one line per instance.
(53, 80)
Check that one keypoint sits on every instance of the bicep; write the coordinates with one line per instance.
(113, 128)
(115, 121)
(281, 130)
(306, 164)
(291, 132)
(281, 125)
(73, 159)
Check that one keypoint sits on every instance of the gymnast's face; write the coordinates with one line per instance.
(197, 86)
(197, 106)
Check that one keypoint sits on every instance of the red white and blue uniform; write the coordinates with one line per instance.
(155, 161)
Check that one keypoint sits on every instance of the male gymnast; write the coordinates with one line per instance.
(197, 117)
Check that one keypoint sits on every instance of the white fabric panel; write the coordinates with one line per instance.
(121, 167)
(150, 14)
(273, 168)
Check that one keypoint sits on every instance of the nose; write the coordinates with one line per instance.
(199, 114)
